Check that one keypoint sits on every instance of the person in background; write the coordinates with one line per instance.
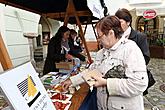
(140, 38)
(119, 69)
(75, 45)
(58, 49)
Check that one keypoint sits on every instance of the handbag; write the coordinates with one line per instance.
(90, 101)
(151, 81)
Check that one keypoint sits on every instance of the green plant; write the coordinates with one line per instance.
(160, 42)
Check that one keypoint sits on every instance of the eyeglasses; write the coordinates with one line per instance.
(100, 36)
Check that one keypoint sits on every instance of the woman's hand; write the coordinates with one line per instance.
(68, 56)
(99, 81)
(65, 84)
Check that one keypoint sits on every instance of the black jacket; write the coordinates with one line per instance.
(53, 56)
(141, 41)
(74, 48)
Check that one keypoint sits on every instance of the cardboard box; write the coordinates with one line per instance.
(64, 65)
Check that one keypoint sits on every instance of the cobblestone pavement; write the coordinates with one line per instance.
(156, 97)
(155, 100)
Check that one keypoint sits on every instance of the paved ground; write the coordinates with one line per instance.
(156, 96)
(155, 100)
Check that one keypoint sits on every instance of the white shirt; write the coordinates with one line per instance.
(127, 32)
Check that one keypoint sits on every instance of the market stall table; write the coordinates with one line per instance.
(79, 96)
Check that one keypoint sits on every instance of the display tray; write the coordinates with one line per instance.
(62, 97)
(61, 105)
(76, 99)
(58, 89)
(54, 78)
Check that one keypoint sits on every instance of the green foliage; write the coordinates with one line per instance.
(160, 42)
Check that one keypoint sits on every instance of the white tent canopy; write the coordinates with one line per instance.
(139, 5)
(139, 2)
(96, 8)
(114, 5)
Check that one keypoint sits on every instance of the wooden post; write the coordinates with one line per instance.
(4, 56)
(71, 11)
(98, 45)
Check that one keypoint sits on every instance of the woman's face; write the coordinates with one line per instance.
(66, 35)
(107, 41)
(73, 36)
(124, 24)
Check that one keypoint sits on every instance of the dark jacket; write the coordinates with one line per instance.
(75, 50)
(53, 56)
(141, 41)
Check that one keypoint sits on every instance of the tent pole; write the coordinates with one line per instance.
(96, 37)
(4, 56)
(70, 11)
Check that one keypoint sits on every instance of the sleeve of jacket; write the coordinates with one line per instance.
(71, 44)
(78, 79)
(137, 80)
(143, 45)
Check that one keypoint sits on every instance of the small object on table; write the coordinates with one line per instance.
(59, 96)
(72, 90)
(58, 88)
(62, 105)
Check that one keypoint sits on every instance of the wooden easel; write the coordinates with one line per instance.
(4, 56)
(71, 11)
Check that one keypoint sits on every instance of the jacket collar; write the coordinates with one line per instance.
(132, 34)
(127, 32)
(121, 40)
